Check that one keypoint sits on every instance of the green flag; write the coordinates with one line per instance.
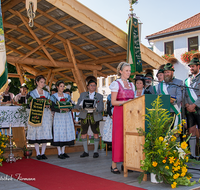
(133, 49)
(3, 63)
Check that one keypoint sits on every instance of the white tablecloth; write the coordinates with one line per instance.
(11, 116)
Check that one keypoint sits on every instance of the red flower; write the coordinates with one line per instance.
(62, 100)
(42, 97)
(165, 158)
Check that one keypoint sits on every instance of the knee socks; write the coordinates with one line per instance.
(85, 146)
(96, 145)
(59, 150)
(192, 142)
(37, 149)
(43, 148)
(63, 150)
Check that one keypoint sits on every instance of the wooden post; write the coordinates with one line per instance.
(76, 79)
(51, 80)
(48, 77)
(95, 75)
(20, 74)
(77, 72)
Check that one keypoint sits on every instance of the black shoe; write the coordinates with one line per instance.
(95, 155)
(192, 157)
(113, 170)
(65, 155)
(85, 154)
(44, 157)
(61, 156)
(39, 157)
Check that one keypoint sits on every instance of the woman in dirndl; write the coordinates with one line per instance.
(121, 91)
(43, 133)
(63, 125)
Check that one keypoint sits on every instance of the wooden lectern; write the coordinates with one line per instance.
(134, 117)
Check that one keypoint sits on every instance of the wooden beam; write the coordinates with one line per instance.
(60, 64)
(101, 74)
(23, 44)
(110, 67)
(34, 50)
(10, 5)
(67, 52)
(36, 38)
(79, 80)
(15, 50)
(48, 77)
(19, 73)
(91, 19)
(107, 60)
(95, 73)
(83, 79)
(12, 75)
(65, 76)
(75, 32)
(76, 80)
(8, 25)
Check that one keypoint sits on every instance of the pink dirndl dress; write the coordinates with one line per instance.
(117, 133)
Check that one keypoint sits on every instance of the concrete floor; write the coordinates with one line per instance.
(99, 167)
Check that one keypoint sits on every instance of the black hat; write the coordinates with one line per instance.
(149, 73)
(67, 90)
(24, 86)
(194, 61)
(139, 77)
(169, 67)
(160, 71)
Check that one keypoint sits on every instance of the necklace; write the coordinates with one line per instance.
(123, 79)
(61, 94)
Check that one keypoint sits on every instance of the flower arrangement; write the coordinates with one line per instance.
(164, 155)
(170, 58)
(167, 56)
(186, 57)
(3, 142)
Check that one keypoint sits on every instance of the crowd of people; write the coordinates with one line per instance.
(58, 124)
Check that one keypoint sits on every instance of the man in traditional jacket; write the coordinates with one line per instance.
(149, 81)
(192, 103)
(90, 118)
(172, 86)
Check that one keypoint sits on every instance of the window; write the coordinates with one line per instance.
(193, 43)
(169, 48)
(111, 79)
(103, 82)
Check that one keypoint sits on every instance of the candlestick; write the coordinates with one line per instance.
(10, 128)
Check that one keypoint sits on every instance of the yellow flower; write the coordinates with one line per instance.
(184, 145)
(173, 185)
(167, 167)
(189, 177)
(161, 139)
(2, 139)
(175, 176)
(173, 138)
(0, 133)
(164, 161)
(183, 122)
(1, 160)
(187, 159)
(184, 169)
(183, 174)
(184, 136)
(171, 160)
(154, 164)
(177, 163)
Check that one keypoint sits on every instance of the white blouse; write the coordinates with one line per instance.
(114, 86)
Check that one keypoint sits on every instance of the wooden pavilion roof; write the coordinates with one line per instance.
(65, 33)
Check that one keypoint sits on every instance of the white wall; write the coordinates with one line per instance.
(180, 47)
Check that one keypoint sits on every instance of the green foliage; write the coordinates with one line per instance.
(3, 142)
(164, 155)
(73, 88)
(15, 83)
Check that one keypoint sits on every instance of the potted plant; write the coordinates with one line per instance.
(170, 58)
(164, 155)
(27, 152)
(187, 56)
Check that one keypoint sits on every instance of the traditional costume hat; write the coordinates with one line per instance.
(169, 67)
(24, 86)
(67, 90)
(53, 88)
(139, 77)
(160, 70)
(90, 79)
(195, 59)
(149, 73)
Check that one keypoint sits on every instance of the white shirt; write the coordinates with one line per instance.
(114, 86)
(91, 95)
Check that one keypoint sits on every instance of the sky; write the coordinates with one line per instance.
(156, 15)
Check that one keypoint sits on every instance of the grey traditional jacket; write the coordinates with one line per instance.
(100, 106)
(195, 83)
(173, 90)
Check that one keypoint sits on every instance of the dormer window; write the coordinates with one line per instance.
(169, 47)
(193, 43)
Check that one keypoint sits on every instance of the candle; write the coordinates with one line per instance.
(10, 129)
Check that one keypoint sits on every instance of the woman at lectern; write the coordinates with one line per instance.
(121, 91)
(43, 133)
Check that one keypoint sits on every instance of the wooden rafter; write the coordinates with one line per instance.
(19, 73)
(48, 76)
(10, 5)
(110, 67)
(36, 38)
(65, 76)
